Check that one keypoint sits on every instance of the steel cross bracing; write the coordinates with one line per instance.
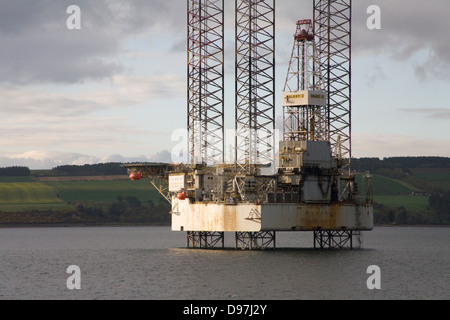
(206, 81)
(205, 240)
(326, 239)
(255, 240)
(308, 122)
(333, 33)
(255, 84)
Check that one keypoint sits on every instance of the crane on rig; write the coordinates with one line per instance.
(311, 186)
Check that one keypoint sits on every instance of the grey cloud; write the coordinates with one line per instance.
(38, 48)
(435, 66)
(408, 27)
(123, 159)
(164, 156)
(114, 16)
(434, 113)
(34, 164)
(31, 59)
(46, 160)
(375, 75)
(394, 145)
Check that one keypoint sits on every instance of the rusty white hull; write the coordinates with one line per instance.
(212, 217)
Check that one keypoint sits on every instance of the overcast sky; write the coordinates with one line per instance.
(115, 90)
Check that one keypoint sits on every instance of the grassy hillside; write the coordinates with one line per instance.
(18, 193)
(395, 193)
(438, 180)
(27, 193)
(399, 198)
(105, 191)
(409, 202)
(388, 186)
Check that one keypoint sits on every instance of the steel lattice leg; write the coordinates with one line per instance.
(205, 240)
(326, 239)
(255, 240)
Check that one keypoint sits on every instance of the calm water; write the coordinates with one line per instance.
(152, 263)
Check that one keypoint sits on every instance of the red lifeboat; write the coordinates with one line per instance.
(182, 196)
(136, 176)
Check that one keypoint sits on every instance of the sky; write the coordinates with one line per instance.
(115, 89)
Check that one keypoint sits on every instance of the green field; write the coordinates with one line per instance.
(409, 202)
(386, 186)
(440, 180)
(105, 191)
(27, 193)
(18, 194)
(394, 193)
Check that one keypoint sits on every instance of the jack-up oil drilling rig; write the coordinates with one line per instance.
(307, 185)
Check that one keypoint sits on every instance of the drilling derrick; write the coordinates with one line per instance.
(306, 162)
(305, 114)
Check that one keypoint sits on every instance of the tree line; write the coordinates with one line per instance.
(358, 164)
(127, 210)
(400, 216)
(440, 204)
(111, 168)
(375, 164)
(15, 172)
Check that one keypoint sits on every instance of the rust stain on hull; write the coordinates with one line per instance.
(272, 217)
(312, 217)
(315, 217)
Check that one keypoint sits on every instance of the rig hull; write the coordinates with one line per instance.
(199, 217)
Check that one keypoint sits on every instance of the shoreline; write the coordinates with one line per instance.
(75, 225)
(412, 225)
(120, 225)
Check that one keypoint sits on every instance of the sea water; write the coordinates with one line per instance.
(153, 263)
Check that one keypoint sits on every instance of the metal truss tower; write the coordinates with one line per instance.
(333, 31)
(255, 84)
(206, 82)
(302, 119)
(210, 197)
